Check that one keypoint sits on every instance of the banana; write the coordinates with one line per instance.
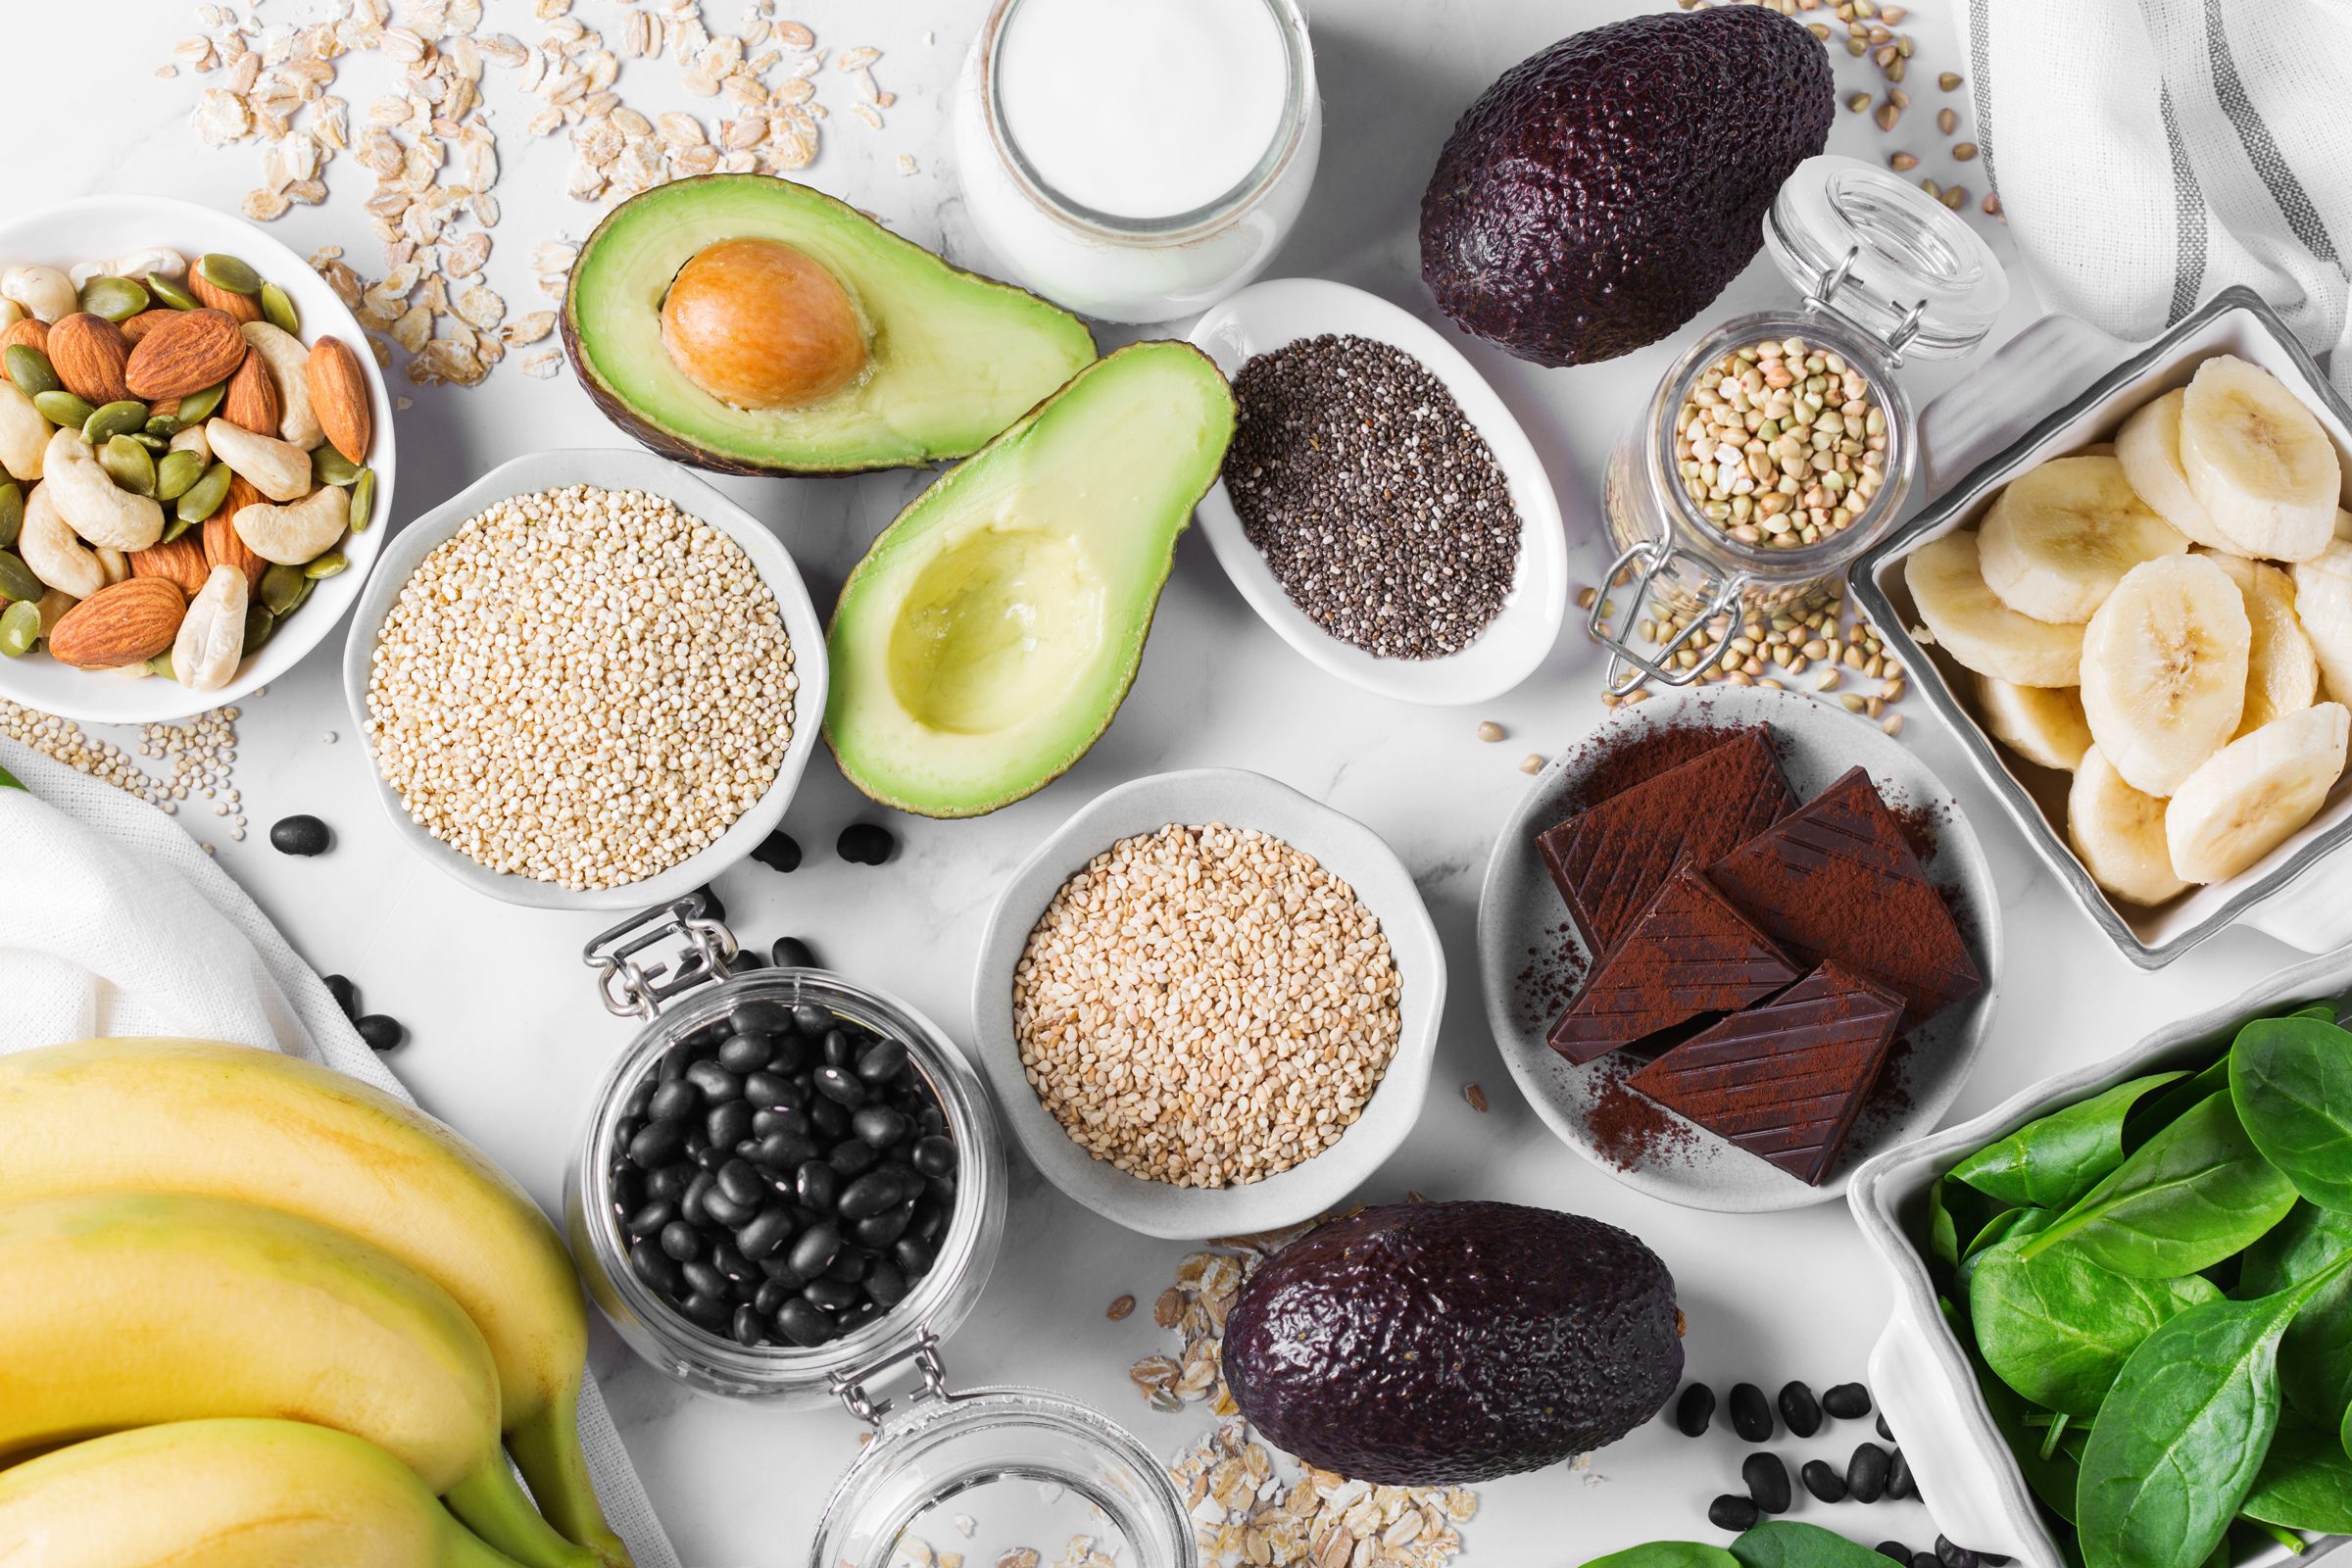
(2164, 669)
(2256, 791)
(124, 1310)
(2148, 447)
(2324, 608)
(2283, 675)
(197, 1116)
(2044, 724)
(2117, 834)
(2059, 537)
(1971, 624)
(2258, 462)
(227, 1493)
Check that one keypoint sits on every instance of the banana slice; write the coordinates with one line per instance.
(2258, 462)
(2283, 675)
(2324, 606)
(2043, 724)
(2254, 792)
(1972, 624)
(2164, 669)
(2117, 834)
(2148, 445)
(2061, 536)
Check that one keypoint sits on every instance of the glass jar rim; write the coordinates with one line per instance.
(1299, 69)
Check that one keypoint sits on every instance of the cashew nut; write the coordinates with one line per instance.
(212, 635)
(24, 434)
(279, 469)
(156, 260)
(115, 564)
(55, 601)
(43, 291)
(287, 358)
(81, 274)
(11, 313)
(97, 508)
(193, 439)
(299, 534)
(49, 547)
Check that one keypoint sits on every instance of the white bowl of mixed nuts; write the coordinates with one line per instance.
(195, 444)
(1208, 1004)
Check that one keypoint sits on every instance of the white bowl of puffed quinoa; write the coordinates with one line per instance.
(587, 681)
(1209, 1005)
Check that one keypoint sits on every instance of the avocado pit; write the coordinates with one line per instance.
(763, 325)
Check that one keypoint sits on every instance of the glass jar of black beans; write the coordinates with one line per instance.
(786, 1177)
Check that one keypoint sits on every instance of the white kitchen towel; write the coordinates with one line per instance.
(2148, 153)
(139, 933)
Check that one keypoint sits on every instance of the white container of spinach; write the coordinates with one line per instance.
(2122, 1335)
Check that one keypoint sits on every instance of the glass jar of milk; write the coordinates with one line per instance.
(1137, 160)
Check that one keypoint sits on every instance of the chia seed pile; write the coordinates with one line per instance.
(1373, 498)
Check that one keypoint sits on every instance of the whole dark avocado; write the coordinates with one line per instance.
(1429, 1344)
(1603, 191)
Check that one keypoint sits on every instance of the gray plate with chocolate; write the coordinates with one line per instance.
(1535, 962)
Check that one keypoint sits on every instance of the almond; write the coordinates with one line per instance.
(252, 402)
(187, 351)
(339, 397)
(89, 356)
(31, 331)
(180, 561)
(238, 308)
(121, 623)
(223, 546)
(139, 327)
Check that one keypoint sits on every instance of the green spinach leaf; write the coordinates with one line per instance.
(2315, 1360)
(2051, 1162)
(2057, 1328)
(2008, 1226)
(2153, 1116)
(2190, 1197)
(2306, 1481)
(7, 780)
(2052, 1476)
(1667, 1554)
(1786, 1544)
(2292, 1079)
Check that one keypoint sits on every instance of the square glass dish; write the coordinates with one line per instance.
(1984, 414)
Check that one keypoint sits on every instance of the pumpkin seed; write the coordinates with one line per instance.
(175, 473)
(198, 407)
(114, 419)
(277, 308)
(116, 299)
(163, 426)
(325, 566)
(30, 369)
(129, 465)
(161, 665)
(283, 589)
(259, 623)
(228, 272)
(171, 293)
(362, 501)
(17, 580)
(329, 466)
(12, 513)
(152, 443)
(19, 628)
(173, 526)
(203, 498)
(62, 409)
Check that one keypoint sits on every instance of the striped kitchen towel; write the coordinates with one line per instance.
(2148, 153)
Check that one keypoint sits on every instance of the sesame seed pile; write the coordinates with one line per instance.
(1205, 1007)
(581, 686)
(1377, 503)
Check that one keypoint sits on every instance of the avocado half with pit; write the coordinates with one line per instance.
(990, 634)
(748, 324)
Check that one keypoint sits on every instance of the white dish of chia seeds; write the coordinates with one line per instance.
(1266, 317)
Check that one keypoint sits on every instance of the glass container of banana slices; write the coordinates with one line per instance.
(1782, 444)
(2136, 609)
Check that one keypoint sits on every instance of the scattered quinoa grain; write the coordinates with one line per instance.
(1489, 730)
(1532, 763)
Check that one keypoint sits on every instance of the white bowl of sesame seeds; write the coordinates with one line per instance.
(1254, 977)
(587, 681)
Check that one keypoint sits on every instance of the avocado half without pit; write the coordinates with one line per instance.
(986, 638)
(751, 325)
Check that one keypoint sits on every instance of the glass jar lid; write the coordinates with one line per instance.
(1870, 247)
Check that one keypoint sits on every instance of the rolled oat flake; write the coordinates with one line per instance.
(1375, 500)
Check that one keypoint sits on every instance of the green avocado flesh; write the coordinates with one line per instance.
(955, 356)
(989, 635)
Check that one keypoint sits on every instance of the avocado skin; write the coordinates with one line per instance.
(1602, 192)
(1424, 1344)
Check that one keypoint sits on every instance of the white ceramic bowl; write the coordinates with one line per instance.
(1343, 846)
(1267, 315)
(98, 229)
(1521, 911)
(614, 470)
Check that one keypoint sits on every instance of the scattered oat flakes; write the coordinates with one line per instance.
(1120, 1307)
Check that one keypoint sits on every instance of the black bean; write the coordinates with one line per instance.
(931, 1219)
(728, 1125)
(300, 835)
(1925, 1559)
(380, 1029)
(803, 1325)
(671, 1182)
(657, 1141)
(1751, 1416)
(706, 1153)
(1767, 1480)
(1692, 1412)
(771, 1295)
(885, 1284)
(815, 1251)
(675, 1098)
(649, 1216)
(740, 1183)
(681, 1241)
(346, 995)
(1894, 1550)
(935, 1155)
(864, 843)
(745, 1052)
(881, 1061)
(828, 1117)
(1898, 1478)
(841, 1086)
(711, 907)
(702, 1279)
(725, 1210)
(880, 1229)
(710, 1311)
(1885, 1431)
(931, 1119)
(1846, 1401)
(768, 1230)
(728, 1259)
(1866, 1473)
(774, 1090)
(690, 1206)
(1732, 1512)
(1799, 1409)
(850, 1266)
(774, 1120)
(817, 1185)
(782, 1153)
(747, 958)
(674, 1062)
(656, 1267)
(810, 1019)
(915, 1256)
(1953, 1555)
(791, 952)
(778, 852)
(1821, 1479)
(837, 1048)
(718, 1086)
(792, 1055)
(749, 1327)
(870, 1194)
(879, 1126)
(854, 1158)
(830, 1295)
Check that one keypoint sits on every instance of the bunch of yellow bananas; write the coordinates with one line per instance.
(198, 1236)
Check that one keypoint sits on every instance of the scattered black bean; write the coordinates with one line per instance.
(1767, 1481)
(1925, 1559)
(864, 843)
(346, 995)
(1821, 1478)
(300, 835)
(791, 952)
(1866, 1473)
(1846, 1401)
(1953, 1555)
(1799, 1409)
(711, 907)
(1885, 1431)
(778, 852)
(1894, 1550)
(1898, 1477)
(1732, 1512)
(380, 1029)
(1692, 1412)
(1751, 1416)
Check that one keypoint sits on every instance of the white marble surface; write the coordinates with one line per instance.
(506, 1037)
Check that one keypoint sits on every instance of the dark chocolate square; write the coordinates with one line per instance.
(1688, 953)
